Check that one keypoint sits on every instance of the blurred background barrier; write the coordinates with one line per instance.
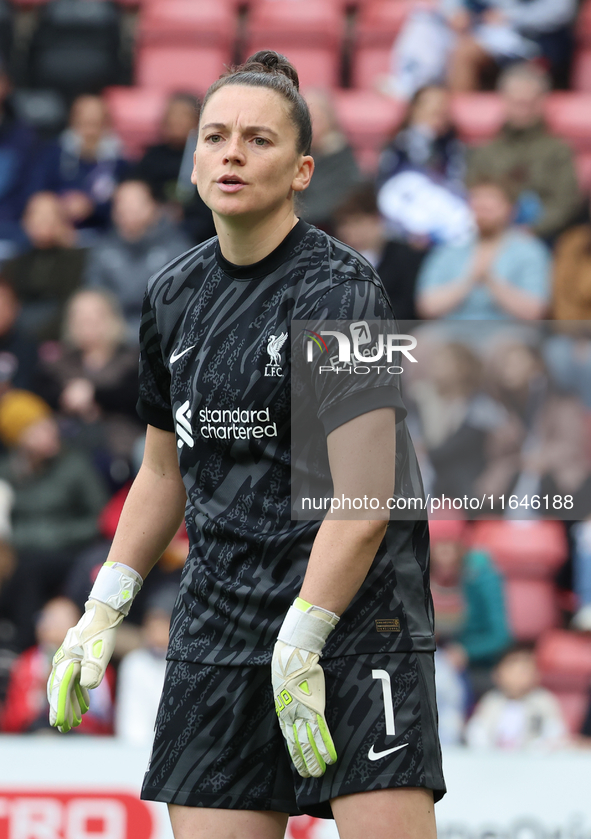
(44, 794)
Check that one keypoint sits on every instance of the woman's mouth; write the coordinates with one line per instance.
(230, 183)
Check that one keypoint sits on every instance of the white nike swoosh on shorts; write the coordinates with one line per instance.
(175, 357)
(372, 755)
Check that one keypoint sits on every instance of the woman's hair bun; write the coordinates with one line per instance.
(269, 61)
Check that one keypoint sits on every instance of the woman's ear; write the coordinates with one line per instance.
(304, 173)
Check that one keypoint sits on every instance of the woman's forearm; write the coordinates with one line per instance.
(154, 508)
(341, 556)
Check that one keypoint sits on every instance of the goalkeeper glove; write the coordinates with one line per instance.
(298, 686)
(81, 661)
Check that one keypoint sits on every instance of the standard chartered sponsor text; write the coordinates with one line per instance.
(542, 503)
(236, 424)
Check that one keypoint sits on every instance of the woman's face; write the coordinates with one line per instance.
(246, 162)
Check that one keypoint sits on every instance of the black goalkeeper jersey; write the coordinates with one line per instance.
(215, 369)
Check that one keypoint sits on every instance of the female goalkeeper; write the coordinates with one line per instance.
(251, 727)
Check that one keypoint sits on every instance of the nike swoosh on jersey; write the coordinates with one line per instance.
(175, 356)
(373, 755)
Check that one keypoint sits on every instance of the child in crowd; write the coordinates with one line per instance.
(518, 713)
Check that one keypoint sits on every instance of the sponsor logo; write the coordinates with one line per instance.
(373, 755)
(183, 426)
(274, 345)
(176, 355)
(48, 814)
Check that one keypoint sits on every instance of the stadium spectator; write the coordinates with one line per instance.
(92, 376)
(18, 146)
(143, 241)
(421, 173)
(18, 351)
(518, 713)
(462, 41)
(507, 30)
(470, 616)
(7, 629)
(141, 673)
(336, 171)
(167, 166)
(456, 418)
(539, 165)
(84, 166)
(45, 276)
(581, 572)
(25, 710)
(57, 498)
(500, 274)
(358, 223)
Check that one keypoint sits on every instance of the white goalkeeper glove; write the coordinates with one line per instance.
(298, 686)
(81, 661)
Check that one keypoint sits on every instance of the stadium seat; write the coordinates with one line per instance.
(368, 118)
(477, 116)
(523, 549)
(583, 164)
(564, 660)
(186, 68)
(569, 116)
(136, 113)
(297, 22)
(183, 22)
(581, 72)
(309, 33)
(76, 46)
(531, 607)
(378, 24)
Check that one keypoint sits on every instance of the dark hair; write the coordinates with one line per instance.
(272, 70)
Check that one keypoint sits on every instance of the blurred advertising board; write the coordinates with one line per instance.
(87, 788)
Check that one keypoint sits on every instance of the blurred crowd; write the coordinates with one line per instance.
(499, 234)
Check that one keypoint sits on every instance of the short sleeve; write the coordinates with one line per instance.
(154, 378)
(340, 397)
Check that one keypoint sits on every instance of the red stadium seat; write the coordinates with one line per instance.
(369, 65)
(583, 164)
(581, 72)
(477, 116)
(564, 660)
(531, 607)
(309, 33)
(367, 117)
(569, 116)
(185, 68)
(297, 22)
(378, 25)
(523, 549)
(183, 22)
(136, 113)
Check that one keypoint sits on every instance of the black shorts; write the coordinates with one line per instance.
(218, 742)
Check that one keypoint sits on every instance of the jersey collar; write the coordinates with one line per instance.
(270, 263)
